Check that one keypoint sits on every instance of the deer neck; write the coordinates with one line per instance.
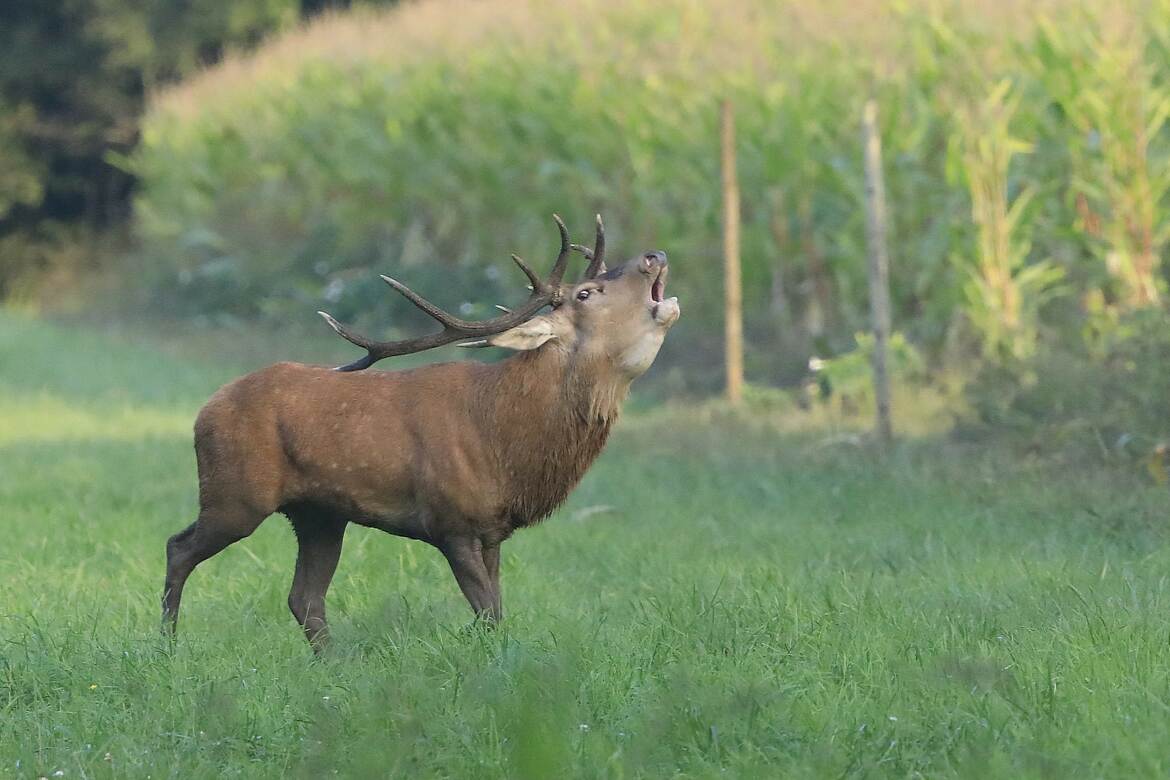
(550, 414)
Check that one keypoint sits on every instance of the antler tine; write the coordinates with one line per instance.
(597, 256)
(445, 319)
(558, 269)
(353, 338)
(533, 279)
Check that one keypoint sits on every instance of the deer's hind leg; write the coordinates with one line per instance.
(215, 530)
(319, 538)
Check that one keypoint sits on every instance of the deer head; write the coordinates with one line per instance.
(616, 317)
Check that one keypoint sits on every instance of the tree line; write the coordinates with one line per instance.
(74, 77)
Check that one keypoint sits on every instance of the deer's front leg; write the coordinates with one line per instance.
(491, 561)
(466, 556)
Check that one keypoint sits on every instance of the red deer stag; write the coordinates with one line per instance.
(458, 455)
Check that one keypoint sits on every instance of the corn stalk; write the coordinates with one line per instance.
(1003, 292)
(1100, 74)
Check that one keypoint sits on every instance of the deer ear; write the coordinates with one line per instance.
(525, 336)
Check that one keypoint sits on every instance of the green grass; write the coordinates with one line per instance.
(751, 604)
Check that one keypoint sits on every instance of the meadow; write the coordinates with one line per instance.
(725, 595)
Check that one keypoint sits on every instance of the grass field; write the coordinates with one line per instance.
(717, 599)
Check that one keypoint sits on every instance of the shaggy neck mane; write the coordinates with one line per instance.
(549, 415)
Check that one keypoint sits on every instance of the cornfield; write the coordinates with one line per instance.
(1026, 148)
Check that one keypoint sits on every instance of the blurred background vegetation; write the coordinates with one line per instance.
(74, 78)
(224, 165)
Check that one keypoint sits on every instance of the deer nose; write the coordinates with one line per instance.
(654, 260)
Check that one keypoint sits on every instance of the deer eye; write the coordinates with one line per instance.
(583, 294)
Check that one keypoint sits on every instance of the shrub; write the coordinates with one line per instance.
(1102, 400)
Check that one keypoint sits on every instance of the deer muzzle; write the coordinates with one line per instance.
(664, 310)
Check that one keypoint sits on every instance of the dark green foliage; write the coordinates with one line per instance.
(1095, 398)
(73, 78)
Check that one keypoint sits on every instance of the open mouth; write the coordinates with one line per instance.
(658, 288)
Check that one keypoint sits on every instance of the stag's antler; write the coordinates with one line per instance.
(544, 293)
(596, 255)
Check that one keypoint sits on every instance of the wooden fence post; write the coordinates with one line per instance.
(732, 284)
(879, 267)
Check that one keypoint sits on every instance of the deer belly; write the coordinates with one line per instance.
(354, 486)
